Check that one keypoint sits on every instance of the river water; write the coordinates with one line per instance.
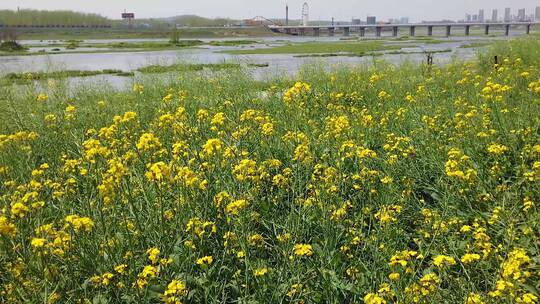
(278, 64)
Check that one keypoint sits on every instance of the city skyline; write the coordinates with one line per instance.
(519, 14)
(319, 10)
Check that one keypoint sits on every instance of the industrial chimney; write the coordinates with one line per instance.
(286, 14)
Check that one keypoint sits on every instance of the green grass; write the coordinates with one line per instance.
(475, 45)
(368, 184)
(22, 78)
(319, 48)
(149, 45)
(527, 49)
(11, 47)
(186, 67)
(232, 42)
(373, 54)
(58, 51)
(116, 47)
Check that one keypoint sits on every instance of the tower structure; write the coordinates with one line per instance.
(286, 14)
(305, 14)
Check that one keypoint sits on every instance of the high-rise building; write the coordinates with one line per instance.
(481, 15)
(468, 17)
(507, 16)
(371, 20)
(474, 18)
(521, 14)
(494, 16)
(537, 14)
(404, 20)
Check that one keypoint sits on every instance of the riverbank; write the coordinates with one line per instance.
(118, 33)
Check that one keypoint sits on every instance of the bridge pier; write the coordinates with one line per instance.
(331, 31)
(362, 31)
(507, 30)
(378, 31)
(412, 31)
(316, 31)
(430, 30)
(528, 29)
(486, 30)
(448, 30)
(467, 30)
(346, 31)
(288, 31)
(395, 30)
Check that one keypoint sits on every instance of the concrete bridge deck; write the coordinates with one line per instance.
(379, 28)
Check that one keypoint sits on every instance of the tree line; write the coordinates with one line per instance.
(43, 18)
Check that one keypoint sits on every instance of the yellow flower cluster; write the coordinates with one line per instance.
(79, 223)
(175, 290)
(302, 250)
(458, 166)
(443, 260)
(298, 90)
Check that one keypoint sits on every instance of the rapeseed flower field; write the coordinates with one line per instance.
(382, 184)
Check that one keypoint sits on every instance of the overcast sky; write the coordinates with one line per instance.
(417, 10)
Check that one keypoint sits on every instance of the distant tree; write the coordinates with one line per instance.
(44, 18)
(8, 34)
(175, 35)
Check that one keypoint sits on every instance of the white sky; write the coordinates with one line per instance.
(417, 10)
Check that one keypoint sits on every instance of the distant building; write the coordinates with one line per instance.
(537, 14)
(305, 14)
(481, 15)
(371, 20)
(468, 17)
(474, 18)
(521, 15)
(402, 20)
(356, 21)
(494, 16)
(507, 12)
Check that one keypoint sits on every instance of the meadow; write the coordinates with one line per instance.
(371, 184)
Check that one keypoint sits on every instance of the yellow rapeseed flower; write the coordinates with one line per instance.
(236, 206)
(260, 272)
(469, 258)
(443, 260)
(303, 250)
(205, 260)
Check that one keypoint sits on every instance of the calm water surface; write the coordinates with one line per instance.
(279, 64)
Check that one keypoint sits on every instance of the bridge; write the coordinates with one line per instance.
(394, 28)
